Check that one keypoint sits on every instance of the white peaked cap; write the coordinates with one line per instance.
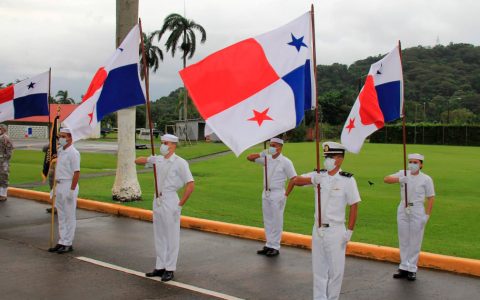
(416, 156)
(65, 130)
(276, 140)
(169, 138)
(333, 148)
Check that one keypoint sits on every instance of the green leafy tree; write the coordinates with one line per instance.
(63, 98)
(182, 36)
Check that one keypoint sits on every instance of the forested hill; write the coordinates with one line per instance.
(442, 81)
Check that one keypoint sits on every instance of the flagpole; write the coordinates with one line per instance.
(404, 130)
(266, 172)
(150, 125)
(54, 187)
(317, 129)
(48, 100)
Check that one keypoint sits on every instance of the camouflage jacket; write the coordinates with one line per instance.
(6, 147)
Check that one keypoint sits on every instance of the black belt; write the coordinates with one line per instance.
(325, 225)
(410, 204)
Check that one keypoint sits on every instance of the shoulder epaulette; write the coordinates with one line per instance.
(346, 174)
(321, 170)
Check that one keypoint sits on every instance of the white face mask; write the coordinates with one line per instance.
(414, 168)
(272, 150)
(62, 141)
(164, 149)
(329, 163)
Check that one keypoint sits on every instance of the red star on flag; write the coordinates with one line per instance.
(260, 116)
(351, 125)
(91, 116)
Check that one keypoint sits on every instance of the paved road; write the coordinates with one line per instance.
(214, 262)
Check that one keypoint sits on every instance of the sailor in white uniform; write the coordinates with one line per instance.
(412, 217)
(279, 170)
(172, 173)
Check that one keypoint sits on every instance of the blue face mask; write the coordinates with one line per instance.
(164, 149)
(272, 150)
(414, 168)
(62, 141)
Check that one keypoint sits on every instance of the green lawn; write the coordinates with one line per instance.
(228, 189)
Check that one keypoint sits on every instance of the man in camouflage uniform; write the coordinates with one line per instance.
(6, 149)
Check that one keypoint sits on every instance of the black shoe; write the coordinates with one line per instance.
(55, 249)
(49, 210)
(156, 273)
(3, 199)
(167, 276)
(65, 249)
(400, 274)
(412, 276)
(263, 251)
(272, 252)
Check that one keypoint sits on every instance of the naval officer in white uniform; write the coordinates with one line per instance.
(338, 190)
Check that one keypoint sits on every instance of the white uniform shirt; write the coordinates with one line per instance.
(68, 162)
(172, 173)
(419, 187)
(278, 170)
(336, 192)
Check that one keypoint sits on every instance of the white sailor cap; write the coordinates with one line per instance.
(276, 140)
(169, 138)
(416, 156)
(333, 148)
(65, 130)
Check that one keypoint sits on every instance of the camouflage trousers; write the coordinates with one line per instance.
(4, 172)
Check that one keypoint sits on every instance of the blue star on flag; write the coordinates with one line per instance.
(298, 43)
(31, 85)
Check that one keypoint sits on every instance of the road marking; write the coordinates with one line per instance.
(171, 282)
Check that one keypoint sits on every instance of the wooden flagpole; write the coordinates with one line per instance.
(150, 125)
(53, 135)
(48, 100)
(317, 129)
(404, 130)
(266, 170)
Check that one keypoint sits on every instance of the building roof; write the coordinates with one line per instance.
(65, 111)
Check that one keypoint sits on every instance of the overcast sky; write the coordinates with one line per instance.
(75, 37)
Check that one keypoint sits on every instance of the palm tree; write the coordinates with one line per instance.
(62, 97)
(126, 186)
(153, 56)
(182, 31)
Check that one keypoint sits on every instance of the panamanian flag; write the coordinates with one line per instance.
(257, 88)
(26, 98)
(115, 86)
(380, 100)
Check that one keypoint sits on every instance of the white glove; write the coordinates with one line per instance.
(148, 165)
(51, 194)
(178, 212)
(70, 194)
(347, 236)
(425, 219)
(263, 153)
(403, 179)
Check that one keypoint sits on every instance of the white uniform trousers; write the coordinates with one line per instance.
(3, 191)
(410, 235)
(273, 207)
(328, 261)
(166, 230)
(66, 209)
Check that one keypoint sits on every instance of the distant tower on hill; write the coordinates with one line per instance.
(437, 42)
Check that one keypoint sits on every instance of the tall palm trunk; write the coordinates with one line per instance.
(126, 186)
(185, 94)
